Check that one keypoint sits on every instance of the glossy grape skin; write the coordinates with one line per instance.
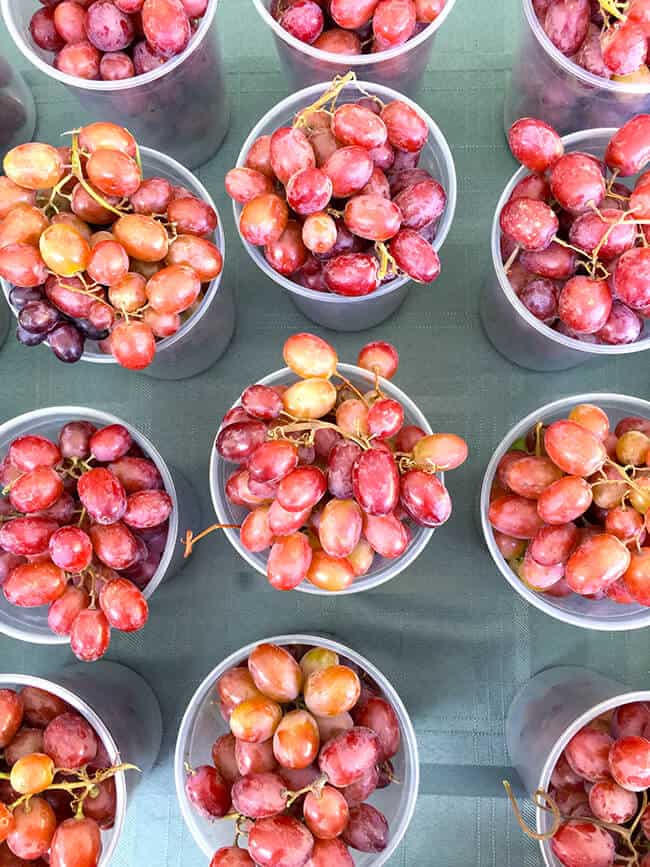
(224, 757)
(124, 605)
(637, 577)
(352, 274)
(387, 535)
(529, 223)
(27, 536)
(79, 59)
(63, 611)
(573, 448)
(255, 719)
(578, 843)
(415, 256)
(237, 442)
(22, 265)
(33, 829)
(207, 792)
(628, 150)
(378, 715)
(354, 124)
(26, 742)
(610, 803)
(564, 500)
(231, 856)
(372, 217)
(340, 527)
(249, 759)
(32, 774)
(588, 754)
(629, 763)
(34, 166)
(349, 169)
(166, 26)
(425, 498)
(275, 672)
(11, 715)
(236, 685)
(347, 757)
(554, 544)
(539, 577)
(379, 357)
(591, 231)
(576, 181)
(515, 516)
(264, 219)
(310, 356)
(535, 144)
(375, 481)
(326, 813)
(102, 495)
(597, 562)
(133, 345)
(407, 130)
(530, 476)
(70, 548)
(259, 795)
(585, 305)
(272, 461)
(367, 830)
(116, 66)
(310, 398)
(289, 561)
(90, 635)
(40, 707)
(301, 489)
(33, 584)
(284, 524)
(280, 841)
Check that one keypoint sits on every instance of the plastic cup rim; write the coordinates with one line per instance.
(190, 178)
(286, 107)
(74, 413)
(542, 329)
(409, 739)
(20, 40)
(574, 69)
(364, 582)
(352, 60)
(627, 622)
(92, 717)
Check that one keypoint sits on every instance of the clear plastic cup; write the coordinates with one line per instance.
(548, 711)
(602, 614)
(17, 108)
(327, 308)
(402, 67)
(30, 624)
(547, 84)
(202, 724)
(180, 108)
(228, 513)
(206, 333)
(124, 712)
(511, 328)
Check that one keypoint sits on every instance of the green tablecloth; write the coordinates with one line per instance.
(449, 633)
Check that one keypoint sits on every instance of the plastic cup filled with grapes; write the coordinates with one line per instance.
(343, 193)
(89, 527)
(580, 64)
(113, 254)
(151, 65)
(581, 745)
(327, 478)
(565, 509)
(73, 747)
(569, 247)
(296, 751)
(386, 41)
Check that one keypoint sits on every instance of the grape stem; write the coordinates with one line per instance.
(387, 263)
(352, 387)
(316, 788)
(537, 797)
(328, 98)
(610, 8)
(190, 539)
(79, 175)
(314, 425)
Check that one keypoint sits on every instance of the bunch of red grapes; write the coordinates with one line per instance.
(598, 779)
(57, 787)
(114, 39)
(97, 252)
(311, 738)
(570, 507)
(355, 26)
(332, 476)
(83, 527)
(325, 195)
(574, 239)
(608, 38)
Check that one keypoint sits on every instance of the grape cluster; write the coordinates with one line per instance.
(355, 26)
(574, 239)
(608, 38)
(598, 795)
(325, 195)
(97, 252)
(331, 476)
(570, 507)
(83, 527)
(57, 786)
(112, 40)
(311, 738)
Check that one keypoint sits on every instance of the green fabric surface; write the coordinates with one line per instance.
(450, 634)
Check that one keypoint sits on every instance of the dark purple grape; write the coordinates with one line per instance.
(38, 317)
(367, 830)
(27, 338)
(20, 296)
(66, 343)
(89, 331)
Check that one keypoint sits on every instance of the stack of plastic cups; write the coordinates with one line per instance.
(402, 67)
(17, 109)
(512, 329)
(124, 713)
(179, 108)
(550, 709)
(30, 624)
(328, 309)
(548, 85)
(205, 334)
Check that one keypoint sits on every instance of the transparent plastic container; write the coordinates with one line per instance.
(548, 711)
(206, 333)
(202, 724)
(228, 513)
(511, 328)
(5, 319)
(327, 308)
(402, 67)
(30, 624)
(17, 108)
(550, 86)
(124, 712)
(180, 108)
(603, 614)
